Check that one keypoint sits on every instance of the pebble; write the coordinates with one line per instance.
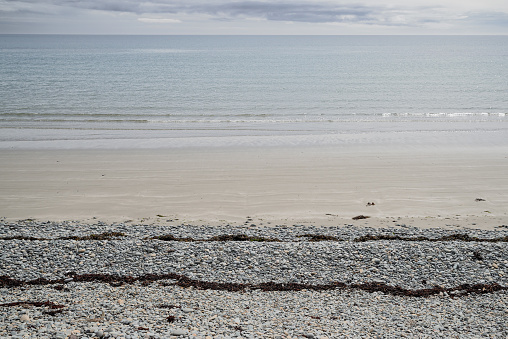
(178, 331)
(136, 311)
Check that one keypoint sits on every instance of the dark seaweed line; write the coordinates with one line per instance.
(452, 237)
(321, 237)
(102, 236)
(243, 237)
(48, 304)
(184, 281)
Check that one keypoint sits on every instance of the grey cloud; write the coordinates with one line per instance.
(274, 11)
(282, 10)
(291, 12)
(488, 18)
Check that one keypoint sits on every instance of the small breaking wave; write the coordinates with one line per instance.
(181, 118)
(446, 114)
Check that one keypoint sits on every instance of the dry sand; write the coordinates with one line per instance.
(418, 186)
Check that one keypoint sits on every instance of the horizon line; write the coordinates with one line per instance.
(239, 35)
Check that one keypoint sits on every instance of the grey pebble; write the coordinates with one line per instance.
(255, 314)
(178, 332)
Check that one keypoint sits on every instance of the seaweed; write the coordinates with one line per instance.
(169, 237)
(102, 236)
(319, 237)
(477, 255)
(168, 306)
(242, 237)
(186, 282)
(226, 237)
(452, 237)
(48, 304)
(361, 216)
(20, 237)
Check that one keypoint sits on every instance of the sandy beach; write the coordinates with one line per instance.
(422, 186)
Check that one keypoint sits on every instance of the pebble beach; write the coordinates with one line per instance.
(189, 281)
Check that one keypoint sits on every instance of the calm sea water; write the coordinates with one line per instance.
(179, 89)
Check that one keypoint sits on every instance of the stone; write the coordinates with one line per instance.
(178, 331)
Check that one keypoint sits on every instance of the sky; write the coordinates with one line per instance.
(279, 17)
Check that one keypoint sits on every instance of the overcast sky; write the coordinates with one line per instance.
(254, 17)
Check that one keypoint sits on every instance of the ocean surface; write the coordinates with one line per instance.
(174, 91)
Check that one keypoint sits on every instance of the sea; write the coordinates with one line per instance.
(86, 91)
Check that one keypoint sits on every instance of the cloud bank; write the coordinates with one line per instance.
(369, 12)
(310, 11)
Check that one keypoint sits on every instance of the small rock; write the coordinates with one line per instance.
(24, 317)
(178, 331)
(187, 310)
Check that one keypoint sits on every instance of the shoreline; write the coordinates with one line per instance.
(455, 222)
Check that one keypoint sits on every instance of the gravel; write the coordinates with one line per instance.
(163, 310)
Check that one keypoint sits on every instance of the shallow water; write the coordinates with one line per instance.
(150, 91)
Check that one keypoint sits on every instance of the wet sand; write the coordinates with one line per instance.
(420, 186)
